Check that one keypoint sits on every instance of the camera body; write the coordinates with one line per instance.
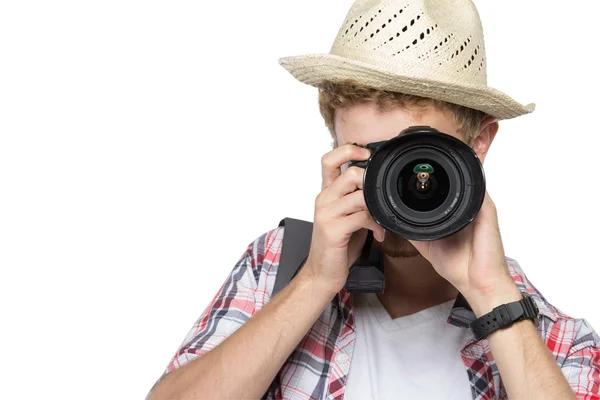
(422, 184)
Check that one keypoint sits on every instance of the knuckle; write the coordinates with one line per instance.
(326, 160)
(319, 197)
(348, 150)
(319, 200)
(356, 172)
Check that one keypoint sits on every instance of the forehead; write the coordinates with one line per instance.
(365, 123)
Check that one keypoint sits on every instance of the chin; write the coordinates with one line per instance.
(394, 246)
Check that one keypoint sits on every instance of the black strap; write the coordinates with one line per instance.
(296, 246)
(461, 314)
(366, 273)
(504, 316)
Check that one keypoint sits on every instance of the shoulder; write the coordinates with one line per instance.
(563, 334)
(261, 261)
(265, 251)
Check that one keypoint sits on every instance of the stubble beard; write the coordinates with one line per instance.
(394, 246)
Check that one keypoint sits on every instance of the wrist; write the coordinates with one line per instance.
(322, 287)
(482, 301)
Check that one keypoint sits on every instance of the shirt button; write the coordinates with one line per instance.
(342, 358)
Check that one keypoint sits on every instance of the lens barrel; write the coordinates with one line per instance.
(423, 184)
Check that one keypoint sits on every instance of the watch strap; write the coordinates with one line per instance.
(504, 315)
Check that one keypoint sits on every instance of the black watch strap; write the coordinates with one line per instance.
(505, 315)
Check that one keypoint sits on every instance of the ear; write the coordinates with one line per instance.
(487, 133)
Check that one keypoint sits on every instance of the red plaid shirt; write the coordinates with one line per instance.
(315, 371)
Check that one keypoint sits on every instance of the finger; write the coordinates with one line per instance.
(487, 216)
(361, 219)
(350, 204)
(333, 160)
(349, 181)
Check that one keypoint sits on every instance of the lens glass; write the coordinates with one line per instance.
(420, 192)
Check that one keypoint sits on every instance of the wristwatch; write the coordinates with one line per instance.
(505, 315)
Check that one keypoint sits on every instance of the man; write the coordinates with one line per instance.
(394, 64)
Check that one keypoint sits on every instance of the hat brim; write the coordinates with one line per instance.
(314, 69)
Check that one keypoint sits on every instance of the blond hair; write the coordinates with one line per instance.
(333, 96)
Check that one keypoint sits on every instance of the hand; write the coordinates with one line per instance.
(472, 260)
(341, 219)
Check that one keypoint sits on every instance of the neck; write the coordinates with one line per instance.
(412, 285)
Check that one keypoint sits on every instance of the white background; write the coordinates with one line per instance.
(145, 144)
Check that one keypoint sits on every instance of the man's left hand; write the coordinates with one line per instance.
(472, 260)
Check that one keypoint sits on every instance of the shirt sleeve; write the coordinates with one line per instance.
(582, 364)
(243, 294)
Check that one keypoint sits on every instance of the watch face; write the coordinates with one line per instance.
(536, 318)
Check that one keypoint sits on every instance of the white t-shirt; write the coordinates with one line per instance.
(411, 357)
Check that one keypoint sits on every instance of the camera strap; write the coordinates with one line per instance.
(365, 275)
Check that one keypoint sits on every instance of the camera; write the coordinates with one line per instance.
(422, 184)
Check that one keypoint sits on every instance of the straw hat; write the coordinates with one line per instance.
(428, 48)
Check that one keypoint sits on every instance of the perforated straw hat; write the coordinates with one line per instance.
(428, 48)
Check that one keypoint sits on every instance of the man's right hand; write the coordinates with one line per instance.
(246, 362)
(341, 219)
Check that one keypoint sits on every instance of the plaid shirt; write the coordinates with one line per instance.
(315, 369)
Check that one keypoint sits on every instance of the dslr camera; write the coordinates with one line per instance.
(423, 184)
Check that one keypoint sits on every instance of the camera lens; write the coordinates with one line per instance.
(423, 184)
(423, 191)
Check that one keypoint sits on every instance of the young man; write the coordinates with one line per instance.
(394, 64)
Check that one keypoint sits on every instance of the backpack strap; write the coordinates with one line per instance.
(296, 246)
(365, 275)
